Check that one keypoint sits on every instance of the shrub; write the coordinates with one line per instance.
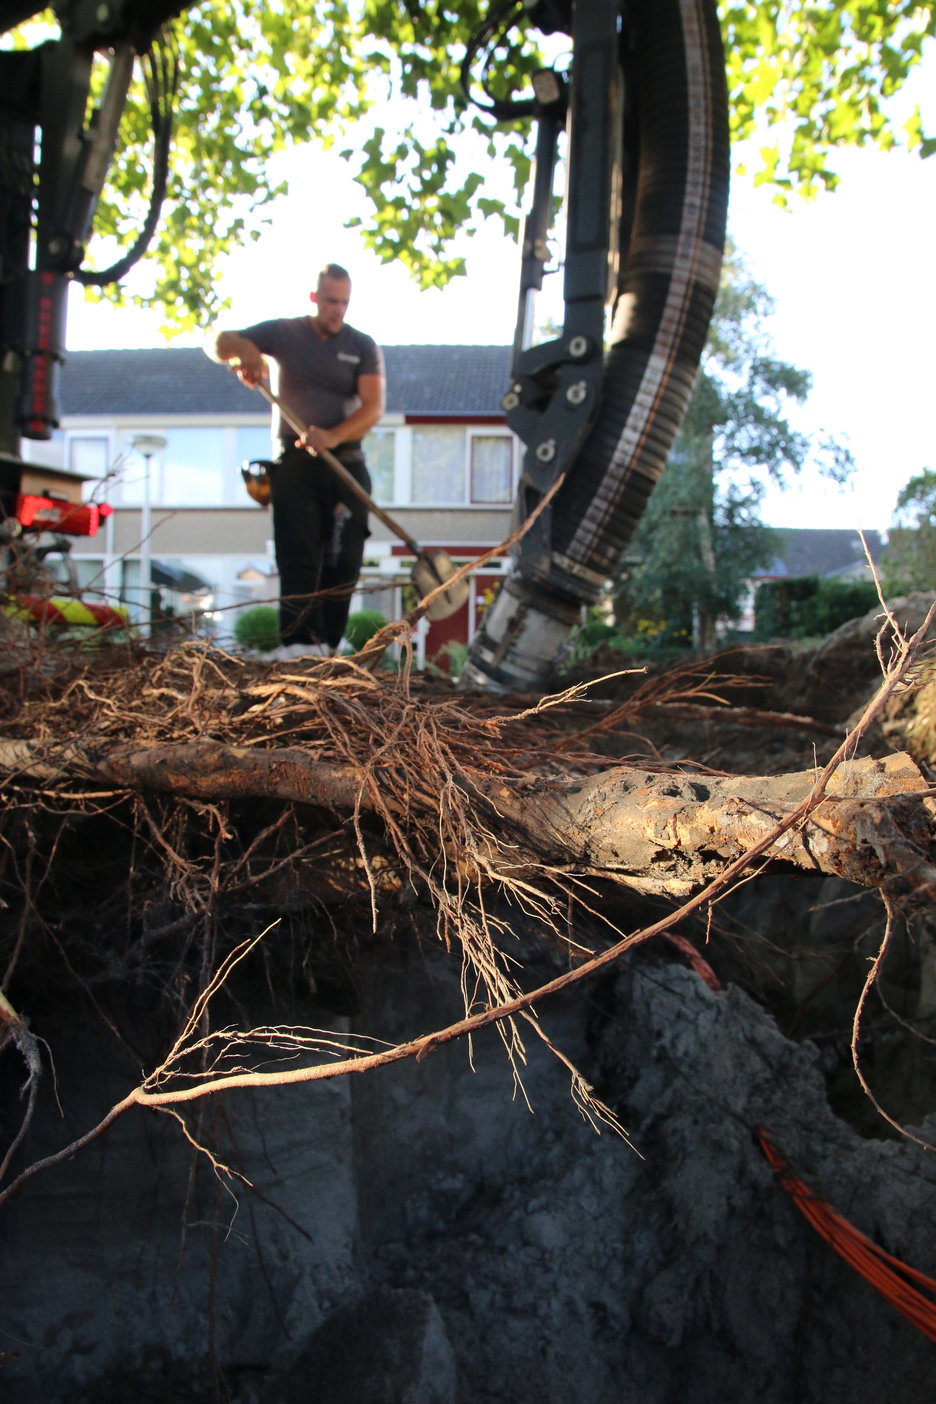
(778, 604)
(835, 603)
(449, 660)
(808, 607)
(258, 627)
(362, 626)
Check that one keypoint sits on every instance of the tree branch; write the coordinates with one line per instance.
(654, 832)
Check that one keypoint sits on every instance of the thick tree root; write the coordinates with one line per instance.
(658, 833)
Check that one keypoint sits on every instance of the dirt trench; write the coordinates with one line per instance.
(454, 1229)
(422, 1234)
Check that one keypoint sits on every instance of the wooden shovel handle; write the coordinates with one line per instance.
(338, 468)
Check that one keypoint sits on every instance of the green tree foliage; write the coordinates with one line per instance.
(692, 554)
(701, 537)
(820, 75)
(910, 559)
(260, 77)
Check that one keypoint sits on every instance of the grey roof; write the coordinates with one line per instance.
(430, 380)
(822, 551)
(447, 379)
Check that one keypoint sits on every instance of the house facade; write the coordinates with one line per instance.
(832, 553)
(161, 436)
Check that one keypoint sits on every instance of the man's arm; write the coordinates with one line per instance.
(370, 390)
(228, 346)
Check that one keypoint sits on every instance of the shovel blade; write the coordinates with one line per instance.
(432, 569)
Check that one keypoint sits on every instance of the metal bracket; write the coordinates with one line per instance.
(555, 387)
(551, 402)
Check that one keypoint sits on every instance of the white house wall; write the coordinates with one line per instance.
(222, 541)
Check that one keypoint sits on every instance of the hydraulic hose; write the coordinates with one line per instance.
(673, 216)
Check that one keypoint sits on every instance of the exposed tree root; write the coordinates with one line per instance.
(428, 792)
(660, 833)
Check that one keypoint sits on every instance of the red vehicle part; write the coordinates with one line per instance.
(55, 514)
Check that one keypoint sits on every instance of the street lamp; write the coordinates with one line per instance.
(147, 446)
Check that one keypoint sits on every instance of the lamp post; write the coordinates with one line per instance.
(147, 446)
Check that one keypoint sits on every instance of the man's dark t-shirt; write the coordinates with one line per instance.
(317, 375)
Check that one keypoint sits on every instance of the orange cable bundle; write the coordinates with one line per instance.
(900, 1284)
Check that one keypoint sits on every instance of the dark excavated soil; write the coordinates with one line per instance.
(442, 1232)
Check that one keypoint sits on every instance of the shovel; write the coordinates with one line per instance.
(431, 569)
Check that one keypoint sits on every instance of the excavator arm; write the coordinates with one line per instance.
(645, 108)
(47, 201)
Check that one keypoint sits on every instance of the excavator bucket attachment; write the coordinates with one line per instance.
(432, 569)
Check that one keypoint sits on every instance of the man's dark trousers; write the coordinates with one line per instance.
(319, 530)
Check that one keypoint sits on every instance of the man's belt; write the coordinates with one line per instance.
(353, 448)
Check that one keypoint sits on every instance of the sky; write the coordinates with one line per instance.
(852, 274)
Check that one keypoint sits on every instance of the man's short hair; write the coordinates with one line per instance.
(335, 270)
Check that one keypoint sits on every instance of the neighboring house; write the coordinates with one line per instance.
(832, 553)
(829, 552)
(442, 461)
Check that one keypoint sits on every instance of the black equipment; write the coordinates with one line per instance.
(47, 203)
(644, 110)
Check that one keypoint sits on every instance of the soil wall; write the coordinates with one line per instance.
(419, 1235)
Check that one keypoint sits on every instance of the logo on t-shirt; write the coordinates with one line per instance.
(346, 356)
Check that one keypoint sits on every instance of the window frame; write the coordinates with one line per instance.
(97, 437)
(489, 431)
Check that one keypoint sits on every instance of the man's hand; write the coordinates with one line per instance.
(250, 369)
(317, 439)
(240, 353)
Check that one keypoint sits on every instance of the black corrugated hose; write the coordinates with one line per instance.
(675, 211)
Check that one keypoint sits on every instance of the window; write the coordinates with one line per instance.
(457, 465)
(438, 463)
(68, 571)
(491, 468)
(380, 452)
(253, 441)
(188, 472)
(193, 464)
(185, 576)
(89, 457)
(178, 585)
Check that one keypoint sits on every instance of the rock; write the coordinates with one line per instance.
(389, 1347)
